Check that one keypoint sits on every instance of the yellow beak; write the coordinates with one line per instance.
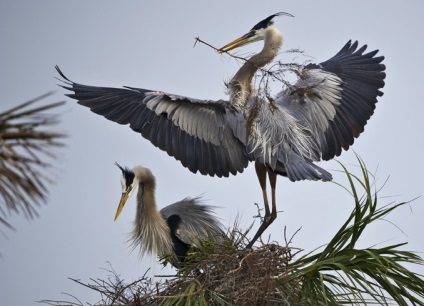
(245, 39)
(124, 199)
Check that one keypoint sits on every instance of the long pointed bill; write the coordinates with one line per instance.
(124, 199)
(245, 39)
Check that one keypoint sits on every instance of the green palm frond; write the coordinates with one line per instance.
(343, 274)
(27, 140)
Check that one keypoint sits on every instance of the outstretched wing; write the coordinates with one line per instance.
(335, 98)
(196, 221)
(193, 131)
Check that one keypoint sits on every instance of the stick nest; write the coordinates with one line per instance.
(257, 276)
(216, 274)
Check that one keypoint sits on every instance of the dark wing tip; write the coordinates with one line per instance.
(64, 80)
(61, 73)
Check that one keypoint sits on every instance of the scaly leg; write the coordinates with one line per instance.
(273, 182)
(261, 171)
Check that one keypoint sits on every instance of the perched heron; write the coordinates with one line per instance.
(311, 120)
(173, 229)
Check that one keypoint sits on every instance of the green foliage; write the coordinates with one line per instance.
(192, 295)
(342, 274)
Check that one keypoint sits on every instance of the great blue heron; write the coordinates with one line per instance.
(312, 120)
(174, 228)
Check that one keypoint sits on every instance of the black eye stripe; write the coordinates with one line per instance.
(127, 174)
(268, 21)
(264, 23)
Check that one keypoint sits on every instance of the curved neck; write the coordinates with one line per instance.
(146, 208)
(151, 231)
(241, 84)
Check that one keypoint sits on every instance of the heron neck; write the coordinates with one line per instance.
(241, 84)
(151, 231)
(147, 205)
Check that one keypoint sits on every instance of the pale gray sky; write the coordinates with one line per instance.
(150, 45)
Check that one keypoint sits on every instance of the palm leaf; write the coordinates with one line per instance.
(27, 141)
(343, 274)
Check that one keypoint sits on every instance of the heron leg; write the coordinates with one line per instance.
(261, 171)
(273, 182)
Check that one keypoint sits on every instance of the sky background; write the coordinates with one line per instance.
(149, 44)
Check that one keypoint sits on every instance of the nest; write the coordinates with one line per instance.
(222, 274)
(215, 274)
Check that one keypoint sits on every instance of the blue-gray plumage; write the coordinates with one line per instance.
(311, 120)
(173, 229)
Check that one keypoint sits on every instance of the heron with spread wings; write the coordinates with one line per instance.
(311, 120)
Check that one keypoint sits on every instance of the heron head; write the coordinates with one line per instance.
(129, 184)
(257, 33)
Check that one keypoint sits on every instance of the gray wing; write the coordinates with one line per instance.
(193, 131)
(198, 221)
(335, 98)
